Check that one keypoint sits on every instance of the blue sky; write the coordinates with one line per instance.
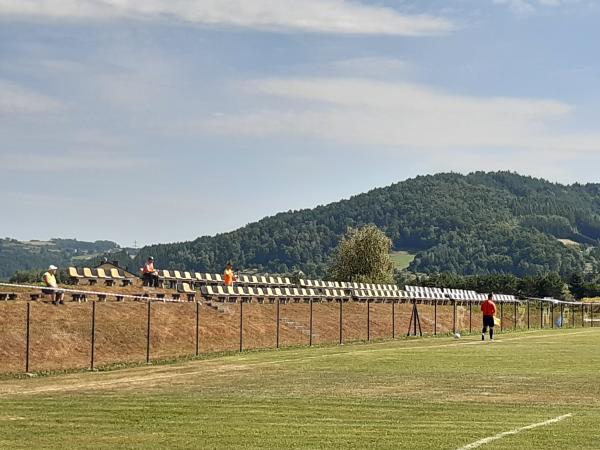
(164, 120)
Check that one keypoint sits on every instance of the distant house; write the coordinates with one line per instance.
(107, 265)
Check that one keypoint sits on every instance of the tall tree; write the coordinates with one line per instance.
(363, 256)
(577, 286)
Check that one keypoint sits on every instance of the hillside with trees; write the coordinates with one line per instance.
(478, 224)
(36, 255)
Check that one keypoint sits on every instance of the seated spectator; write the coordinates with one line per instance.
(150, 275)
(49, 279)
(229, 275)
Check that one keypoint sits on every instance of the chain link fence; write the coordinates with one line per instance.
(38, 337)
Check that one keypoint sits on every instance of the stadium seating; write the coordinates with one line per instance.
(165, 277)
(206, 279)
(114, 273)
(93, 275)
(213, 279)
(88, 275)
(234, 293)
(223, 293)
(504, 298)
(379, 295)
(108, 280)
(335, 294)
(186, 288)
(270, 288)
(74, 275)
(182, 277)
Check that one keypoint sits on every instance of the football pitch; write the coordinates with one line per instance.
(526, 390)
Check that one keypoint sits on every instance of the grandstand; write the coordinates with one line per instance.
(209, 286)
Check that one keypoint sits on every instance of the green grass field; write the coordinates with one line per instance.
(433, 393)
(401, 259)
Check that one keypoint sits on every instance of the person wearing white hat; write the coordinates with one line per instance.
(49, 279)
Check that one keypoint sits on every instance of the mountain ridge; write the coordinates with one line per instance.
(437, 216)
(475, 224)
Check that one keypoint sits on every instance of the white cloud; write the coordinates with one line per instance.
(321, 16)
(518, 6)
(525, 7)
(15, 99)
(401, 116)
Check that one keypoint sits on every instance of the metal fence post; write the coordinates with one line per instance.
(528, 314)
(541, 315)
(27, 326)
(393, 319)
(148, 331)
(93, 335)
(470, 316)
(241, 325)
(341, 319)
(197, 328)
(435, 317)
(310, 326)
(501, 316)
(453, 316)
(515, 316)
(368, 320)
(592, 315)
(277, 324)
(552, 314)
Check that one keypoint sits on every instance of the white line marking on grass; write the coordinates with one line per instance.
(489, 439)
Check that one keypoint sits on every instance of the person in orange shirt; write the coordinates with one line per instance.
(229, 275)
(488, 308)
(150, 275)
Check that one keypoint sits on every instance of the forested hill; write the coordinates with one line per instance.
(36, 255)
(480, 223)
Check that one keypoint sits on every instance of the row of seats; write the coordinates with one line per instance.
(93, 275)
(254, 280)
(233, 292)
(320, 284)
(207, 279)
(186, 281)
(236, 292)
(416, 293)
(433, 293)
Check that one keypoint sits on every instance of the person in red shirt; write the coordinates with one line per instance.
(488, 308)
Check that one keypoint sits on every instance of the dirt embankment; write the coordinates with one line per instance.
(61, 336)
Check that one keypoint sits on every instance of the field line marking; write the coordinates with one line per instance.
(489, 439)
(150, 376)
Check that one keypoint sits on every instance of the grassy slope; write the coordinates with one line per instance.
(402, 259)
(414, 394)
